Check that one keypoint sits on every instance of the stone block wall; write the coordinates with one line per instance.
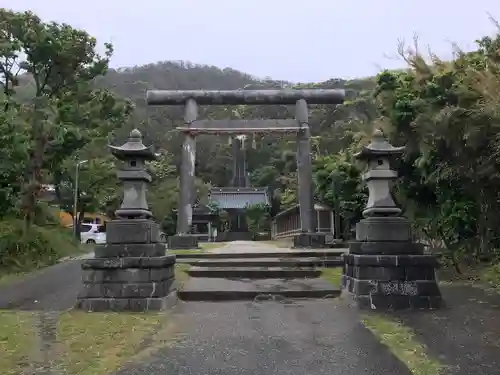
(392, 281)
(309, 241)
(183, 242)
(128, 283)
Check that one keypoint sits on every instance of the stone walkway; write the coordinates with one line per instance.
(230, 278)
(270, 338)
(248, 247)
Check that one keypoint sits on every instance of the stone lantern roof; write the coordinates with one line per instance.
(378, 147)
(133, 148)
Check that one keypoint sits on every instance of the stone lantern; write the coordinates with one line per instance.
(131, 271)
(134, 176)
(384, 268)
(380, 176)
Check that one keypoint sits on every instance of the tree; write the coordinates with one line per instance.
(338, 184)
(97, 187)
(258, 218)
(13, 153)
(447, 115)
(59, 59)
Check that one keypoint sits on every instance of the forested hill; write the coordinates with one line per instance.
(182, 75)
(133, 83)
(272, 158)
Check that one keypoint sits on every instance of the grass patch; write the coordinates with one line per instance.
(203, 248)
(16, 341)
(7, 277)
(186, 251)
(100, 343)
(283, 243)
(491, 275)
(86, 343)
(212, 245)
(181, 275)
(402, 343)
(332, 275)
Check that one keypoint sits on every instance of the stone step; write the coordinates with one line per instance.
(276, 254)
(254, 272)
(265, 262)
(219, 289)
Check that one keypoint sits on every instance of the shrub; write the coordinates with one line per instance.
(47, 215)
(37, 247)
(492, 275)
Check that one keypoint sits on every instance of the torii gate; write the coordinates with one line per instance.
(191, 99)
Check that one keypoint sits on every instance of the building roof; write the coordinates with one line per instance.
(234, 197)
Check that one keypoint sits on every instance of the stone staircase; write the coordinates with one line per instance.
(231, 276)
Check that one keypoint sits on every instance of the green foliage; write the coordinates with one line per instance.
(447, 114)
(97, 185)
(492, 275)
(51, 113)
(338, 184)
(20, 250)
(64, 111)
(14, 154)
(258, 219)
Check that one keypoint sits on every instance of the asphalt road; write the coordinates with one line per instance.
(52, 288)
(270, 338)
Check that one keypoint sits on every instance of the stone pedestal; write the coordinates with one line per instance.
(130, 272)
(129, 250)
(309, 241)
(132, 231)
(128, 284)
(182, 242)
(385, 270)
(382, 282)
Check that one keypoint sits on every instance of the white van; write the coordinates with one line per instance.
(93, 233)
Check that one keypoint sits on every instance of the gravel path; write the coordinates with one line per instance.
(465, 335)
(266, 338)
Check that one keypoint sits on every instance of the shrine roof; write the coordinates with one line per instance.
(238, 197)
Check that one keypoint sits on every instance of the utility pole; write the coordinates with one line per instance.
(75, 200)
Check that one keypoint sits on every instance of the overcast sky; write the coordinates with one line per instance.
(309, 40)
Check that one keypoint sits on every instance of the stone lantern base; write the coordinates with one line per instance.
(309, 241)
(128, 284)
(183, 242)
(389, 274)
(129, 273)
